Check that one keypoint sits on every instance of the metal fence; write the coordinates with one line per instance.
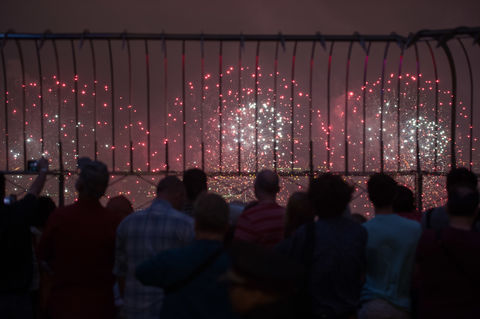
(156, 104)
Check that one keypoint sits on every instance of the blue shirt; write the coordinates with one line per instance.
(141, 236)
(203, 296)
(391, 246)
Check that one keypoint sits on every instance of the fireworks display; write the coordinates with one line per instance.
(253, 128)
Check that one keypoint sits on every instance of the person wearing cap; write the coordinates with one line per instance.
(263, 283)
(144, 234)
(77, 248)
(16, 265)
(262, 222)
(190, 274)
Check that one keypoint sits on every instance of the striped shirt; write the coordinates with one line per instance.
(141, 236)
(262, 224)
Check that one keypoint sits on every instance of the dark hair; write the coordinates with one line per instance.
(195, 181)
(93, 178)
(463, 201)
(44, 207)
(298, 212)
(268, 182)
(211, 213)
(170, 184)
(404, 200)
(329, 195)
(461, 177)
(381, 190)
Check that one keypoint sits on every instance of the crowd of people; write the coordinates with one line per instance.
(191, 254)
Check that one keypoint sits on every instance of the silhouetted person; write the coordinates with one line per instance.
(448, 262)
(78, 246)
(437, 218)
(263, 283)
(16, 265)
(120, 205)
(404, 204)
(190, 274)
(262, 222)
(332, 250)
(299, 212)
(195, 181)
(390, 254)
(141, 236)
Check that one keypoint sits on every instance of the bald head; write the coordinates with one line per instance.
(266, 185)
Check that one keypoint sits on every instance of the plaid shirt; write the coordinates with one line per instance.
(140, 236)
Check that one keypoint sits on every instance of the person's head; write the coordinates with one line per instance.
(259, 277)
(267, 185)
(463, 202)
(404, 200)
(461, 177)
(172, 190)
(44, 207)
(299, 211)
(329, 195)
(358, 218)
(381, 190)
(195, 181)
(120, 205)
(93, 179)
(211, 214)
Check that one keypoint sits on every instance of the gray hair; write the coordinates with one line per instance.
(94, 178)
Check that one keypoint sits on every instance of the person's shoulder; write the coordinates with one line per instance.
(179, 216)
(412, 225)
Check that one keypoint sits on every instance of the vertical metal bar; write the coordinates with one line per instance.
(292, 109)
(453, 117)
(310, 110)
(130, 93)
(364, 108)
(470, 75)
(75, 87)
(5, 104)
(24, 103)
(220, 105)
(202, 103)
(239, 111)
(149, 133)
(61, 177)
(417, 142)
(345, 127)
(95, 81)
(399, 83)
(112, 100)
(256, 105)
(436, 103)
(184, 110)
(329, 80)
(165, 103)
(40, 82)
(275, 79)
(382, 105)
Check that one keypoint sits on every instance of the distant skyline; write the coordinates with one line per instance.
(227, 16)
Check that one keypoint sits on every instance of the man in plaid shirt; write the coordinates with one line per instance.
(144, 234)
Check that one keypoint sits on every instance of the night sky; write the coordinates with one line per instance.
(226, 16)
